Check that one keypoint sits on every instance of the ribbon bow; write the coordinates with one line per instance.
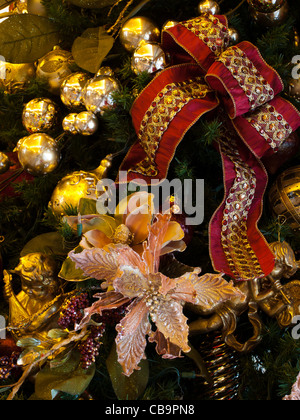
(207, 74)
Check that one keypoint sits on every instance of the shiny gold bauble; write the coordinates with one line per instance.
(40, 115)
(54, 67)
(148, 57)
(86, 123)
(284, 197)
(138, 29)
(72, 188)
(270, 19)
(4, 163)
(266, 6)
(294, 89)
(71, 90)
(68, 123)
(98, 94)
(105, 71)
(234, 36)
(209, 6)
(38, 154)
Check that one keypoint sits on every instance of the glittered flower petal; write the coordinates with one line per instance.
(212, 290)
(131, 339)
(163, 346)
(171, 322)
(107, 301)
(156, 237)
(98, 263)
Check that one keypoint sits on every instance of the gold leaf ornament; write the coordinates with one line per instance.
(90, 49)
(26, 38)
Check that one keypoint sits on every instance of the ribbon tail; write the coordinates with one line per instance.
(237, 247)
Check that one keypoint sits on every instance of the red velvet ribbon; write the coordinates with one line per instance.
(256, 122)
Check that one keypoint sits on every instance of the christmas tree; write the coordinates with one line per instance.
(149, 199)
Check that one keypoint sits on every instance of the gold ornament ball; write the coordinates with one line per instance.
(149, 58)
(105, 71)
(54, 67)
(72, 188)
(267, 20)
(4, 163)
(98, 94)
(71, 90)
(68, 123)
(35, 7)
(209, 6)
(86, 123)
(138, 29)
(234, 36)
(266, 6)
(294, 89)
(38, 154)
(284, 197)
(40, 115)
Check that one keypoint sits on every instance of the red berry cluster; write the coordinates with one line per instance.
(8, 364)
(72, 311)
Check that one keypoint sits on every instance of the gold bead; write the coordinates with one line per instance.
(71, 90)
(98, 94)
(209, 6)
(136, 30)
(86, 123)
(148, 57)
(40, 115)
(4, 163)
(38, 154)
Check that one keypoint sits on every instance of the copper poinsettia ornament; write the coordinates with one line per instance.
(155, 298)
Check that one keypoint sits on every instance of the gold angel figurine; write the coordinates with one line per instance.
(35, 310)
(268, 295)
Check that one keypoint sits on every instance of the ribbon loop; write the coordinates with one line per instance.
(244, 79)
(256, 123)
(161, 115)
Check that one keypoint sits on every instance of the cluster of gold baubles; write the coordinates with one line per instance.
(87, 98)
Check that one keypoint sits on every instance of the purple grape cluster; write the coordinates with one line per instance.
(89, 348)
(72, 311)
(8, 364)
